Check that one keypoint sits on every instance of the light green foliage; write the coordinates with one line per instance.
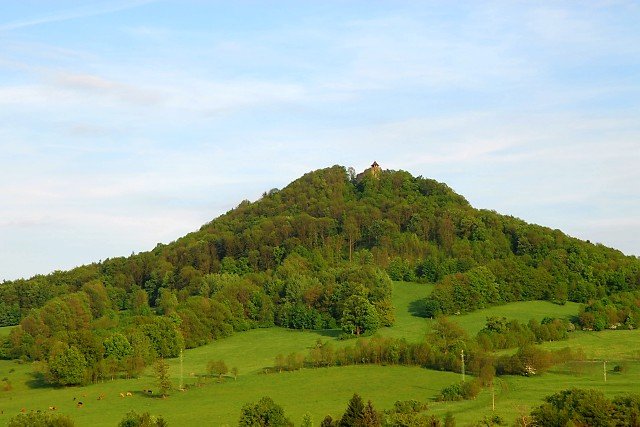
(167, 301)
(163, 378)
(359, 316)
(133, 419)
(307, 420)
(40, 419)
(67, 366)
(117, 346)
(217, 368)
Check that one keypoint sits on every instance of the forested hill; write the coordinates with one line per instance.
(302, 244)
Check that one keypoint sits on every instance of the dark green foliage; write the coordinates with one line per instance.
(576, 406)
(354, 414)
(328, 422)
(627, 410)
(262, 414)
(133, 419)
(9, 314)
(460, 391)
(408, 413)
(40, 419)
(500, 333)
(618, 311)
(164, 336)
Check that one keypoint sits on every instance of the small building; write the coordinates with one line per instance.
(374, 171)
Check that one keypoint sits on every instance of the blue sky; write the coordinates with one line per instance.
(128, 123)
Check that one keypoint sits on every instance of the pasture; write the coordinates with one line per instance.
(325, 391)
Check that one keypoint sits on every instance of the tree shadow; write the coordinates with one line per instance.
(417, 308)
(37, 380)
(331, 333)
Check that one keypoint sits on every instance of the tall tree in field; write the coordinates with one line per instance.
(163, 379)
(359, 316)
(217, 367)
(354, 415)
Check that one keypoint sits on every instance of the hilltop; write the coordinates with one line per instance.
(413, 228)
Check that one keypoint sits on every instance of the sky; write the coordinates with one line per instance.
(126, 123)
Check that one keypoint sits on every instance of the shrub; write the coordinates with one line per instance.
(460, 391)
(133, 419)
(40, 419)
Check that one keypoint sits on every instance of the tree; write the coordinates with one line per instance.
(354, 415)
(359, 316)
(234, 372)
(352, 230)
(265, 413)
(447, 335)
(167, 302)
(163, 379)
(371, 416)
(217, 367)
(328, 422)
(67, 367)
(575, 407)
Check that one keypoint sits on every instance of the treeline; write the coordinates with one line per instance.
(412, 227)
(618, 311)
(581, 407)
(440, 350)
(500, 333)
(101, 332)
(407, 413)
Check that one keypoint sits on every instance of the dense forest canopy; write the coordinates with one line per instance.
(318, 253)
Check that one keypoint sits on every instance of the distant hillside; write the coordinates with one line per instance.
(330, 222)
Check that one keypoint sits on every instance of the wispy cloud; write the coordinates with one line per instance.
(78, 13)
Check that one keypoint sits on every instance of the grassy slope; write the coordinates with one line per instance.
(4, 331)
(322, 391)
(522, 311)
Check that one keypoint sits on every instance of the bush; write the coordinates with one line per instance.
(264, 413)
(40, 419)
(133, 419)
(460, 391)
(409, 406)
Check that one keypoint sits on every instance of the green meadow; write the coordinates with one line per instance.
(325, 391)
(4, 331)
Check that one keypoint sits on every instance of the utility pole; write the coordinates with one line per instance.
(604, 369)
(493, 397)
(181, 372)
(462, 355)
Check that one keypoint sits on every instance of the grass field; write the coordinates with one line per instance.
(327, 390)
(521, 311)
(4, 331)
